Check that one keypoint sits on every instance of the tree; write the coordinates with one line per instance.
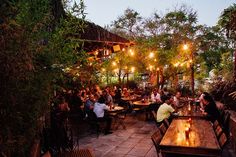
(128, 24)
(27, 29)
(227, 22)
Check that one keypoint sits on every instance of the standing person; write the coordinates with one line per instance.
(165, 110)
(99, 110)
(210, 109)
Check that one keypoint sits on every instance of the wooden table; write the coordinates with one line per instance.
(115, 109)
(130, 98)
(142, 103)
(202, 140)
(191, 111)
(116, 114)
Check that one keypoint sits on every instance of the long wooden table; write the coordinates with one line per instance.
(201, 140)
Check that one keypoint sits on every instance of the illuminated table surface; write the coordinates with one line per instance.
(190, 111)
(201, 139)
(142, 103)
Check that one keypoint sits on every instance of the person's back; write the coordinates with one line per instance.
(99, 109)
(164, 111)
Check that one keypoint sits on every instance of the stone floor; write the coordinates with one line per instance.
(134, 141)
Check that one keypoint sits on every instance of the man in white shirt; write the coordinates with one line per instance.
(99, 110)
(165, 110)
(155, 96)
(176, 101)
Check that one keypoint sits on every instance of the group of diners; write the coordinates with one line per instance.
(82, 102)
(85, 102)
(177, 135)
(171, 104)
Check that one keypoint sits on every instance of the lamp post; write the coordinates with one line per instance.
(186, 47)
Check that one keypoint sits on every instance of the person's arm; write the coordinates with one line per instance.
(153, 98)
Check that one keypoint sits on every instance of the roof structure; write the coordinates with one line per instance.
(95, 37)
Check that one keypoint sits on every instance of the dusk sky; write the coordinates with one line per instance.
(103, 12)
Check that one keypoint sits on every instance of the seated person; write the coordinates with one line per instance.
(155, 96)
(165, 110)
(125, 92)
(108, 98)
(89, 104)
(117, 97)
(176, 101)
(99, 110)
(210, 109)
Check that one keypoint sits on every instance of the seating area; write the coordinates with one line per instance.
(140, 139)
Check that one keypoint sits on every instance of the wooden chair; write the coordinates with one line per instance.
(218, 131)
(93, 122)
(225, 123)
(156, 139)
(154, 115)
(166, 122)
(162, 128)
(215, 124)
(223, 140)
(119, 119)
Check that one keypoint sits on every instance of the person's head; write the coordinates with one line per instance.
(178, 94)
(206, 98)
(91, 97)
(101, 100)
(104, 92)
(167, 98)
(155, 91)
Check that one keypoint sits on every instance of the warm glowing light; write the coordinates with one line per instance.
(114, 63)
(103, 69)
(96, 53)
(126, 67)
(185, 47)
(123, 49)
(176, 64)
(132, 69)
(158, 69)
(116, 70)
(190, 61)
(182, 64)
(155, 60)
(150, 67)
(151, 55)
(131, 53)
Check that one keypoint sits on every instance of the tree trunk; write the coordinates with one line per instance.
(192, 79)
(57, 9)
(158, 79)
(161, 78)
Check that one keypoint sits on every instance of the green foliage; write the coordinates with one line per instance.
(165, 35)
(27, 31)
(227, 21)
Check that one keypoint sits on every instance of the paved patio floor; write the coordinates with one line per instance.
(134, 141)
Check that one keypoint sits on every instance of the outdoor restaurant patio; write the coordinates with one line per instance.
(134, 141)
(157, 85)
